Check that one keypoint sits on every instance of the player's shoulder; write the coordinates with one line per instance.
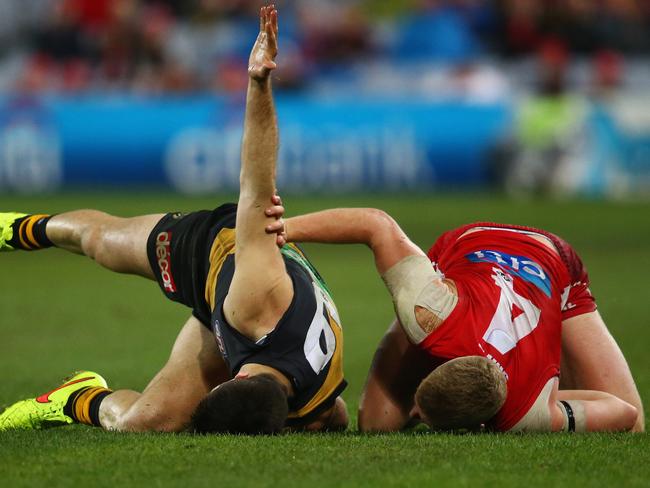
(449, 237)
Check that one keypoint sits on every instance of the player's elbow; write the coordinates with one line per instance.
(620, 417)
(380, 226)
(629, 416)
(374, 422)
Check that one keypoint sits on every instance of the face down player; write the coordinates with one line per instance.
(484, 322)
(277, 357)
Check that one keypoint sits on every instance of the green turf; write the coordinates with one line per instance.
(60, 312)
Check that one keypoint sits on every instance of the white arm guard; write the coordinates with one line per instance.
(413, 282)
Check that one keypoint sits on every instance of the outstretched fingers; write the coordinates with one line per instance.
(272, 28)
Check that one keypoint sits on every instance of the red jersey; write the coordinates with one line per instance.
(513, 294)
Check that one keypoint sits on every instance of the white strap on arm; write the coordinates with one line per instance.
(413, 282)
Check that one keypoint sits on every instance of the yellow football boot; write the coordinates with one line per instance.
(47, 410)
(6, 231)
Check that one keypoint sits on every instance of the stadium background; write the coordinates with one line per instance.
(440, 112)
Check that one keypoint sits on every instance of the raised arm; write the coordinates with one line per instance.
(259, 149)
(261, 290)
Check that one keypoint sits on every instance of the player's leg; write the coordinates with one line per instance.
(194, 368)
(119, 244)
(592, 360)
(397, 369)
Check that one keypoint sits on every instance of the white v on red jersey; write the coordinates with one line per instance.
(513, 294)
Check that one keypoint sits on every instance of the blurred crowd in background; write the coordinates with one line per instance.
(477, 48)
(569, 78)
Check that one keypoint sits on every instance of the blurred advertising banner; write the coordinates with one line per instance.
(192, 144)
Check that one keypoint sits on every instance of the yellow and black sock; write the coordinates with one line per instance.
(29, 233)
(83, 405)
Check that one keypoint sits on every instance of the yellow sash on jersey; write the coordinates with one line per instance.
(222, 247)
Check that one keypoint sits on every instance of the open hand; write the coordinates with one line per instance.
(262, 58)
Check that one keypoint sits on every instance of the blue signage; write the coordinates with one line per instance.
(192, 144)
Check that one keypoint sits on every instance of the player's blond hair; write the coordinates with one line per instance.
(462, 393)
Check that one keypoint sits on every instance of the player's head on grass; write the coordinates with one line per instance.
(461, 394)
(253, 405)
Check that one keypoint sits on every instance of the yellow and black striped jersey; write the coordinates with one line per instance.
(307, 343)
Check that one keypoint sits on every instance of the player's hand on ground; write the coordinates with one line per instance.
(262, 58)
(276, 210)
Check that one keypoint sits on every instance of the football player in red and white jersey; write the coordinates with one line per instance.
(513, 298)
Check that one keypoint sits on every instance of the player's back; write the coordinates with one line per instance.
(511, 284)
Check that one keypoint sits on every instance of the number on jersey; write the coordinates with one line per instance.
(320, 342)
(515, 316)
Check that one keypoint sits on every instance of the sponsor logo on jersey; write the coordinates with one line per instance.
(521, 266)
(163, 253)
(219, 338)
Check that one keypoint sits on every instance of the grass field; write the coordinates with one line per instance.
(59, 313)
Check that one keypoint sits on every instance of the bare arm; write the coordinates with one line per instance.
(260, 140)
(599, 411)
(369, 226)
(397, 369)
(592, 360)
(261, 289)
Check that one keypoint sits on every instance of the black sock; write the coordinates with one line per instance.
(83, 405)
(95, 403)
(29, 233)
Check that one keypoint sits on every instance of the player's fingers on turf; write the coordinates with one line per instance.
(276, 199)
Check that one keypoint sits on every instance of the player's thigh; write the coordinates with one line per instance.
(194, 368)
(592, 360)
(120, 244)
(397, 369)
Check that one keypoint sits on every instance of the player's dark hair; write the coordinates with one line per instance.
(254, 405)
(462, 393)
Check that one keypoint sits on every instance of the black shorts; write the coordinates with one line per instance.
(178, 249)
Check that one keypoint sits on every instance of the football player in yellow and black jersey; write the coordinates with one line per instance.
(262, 350)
